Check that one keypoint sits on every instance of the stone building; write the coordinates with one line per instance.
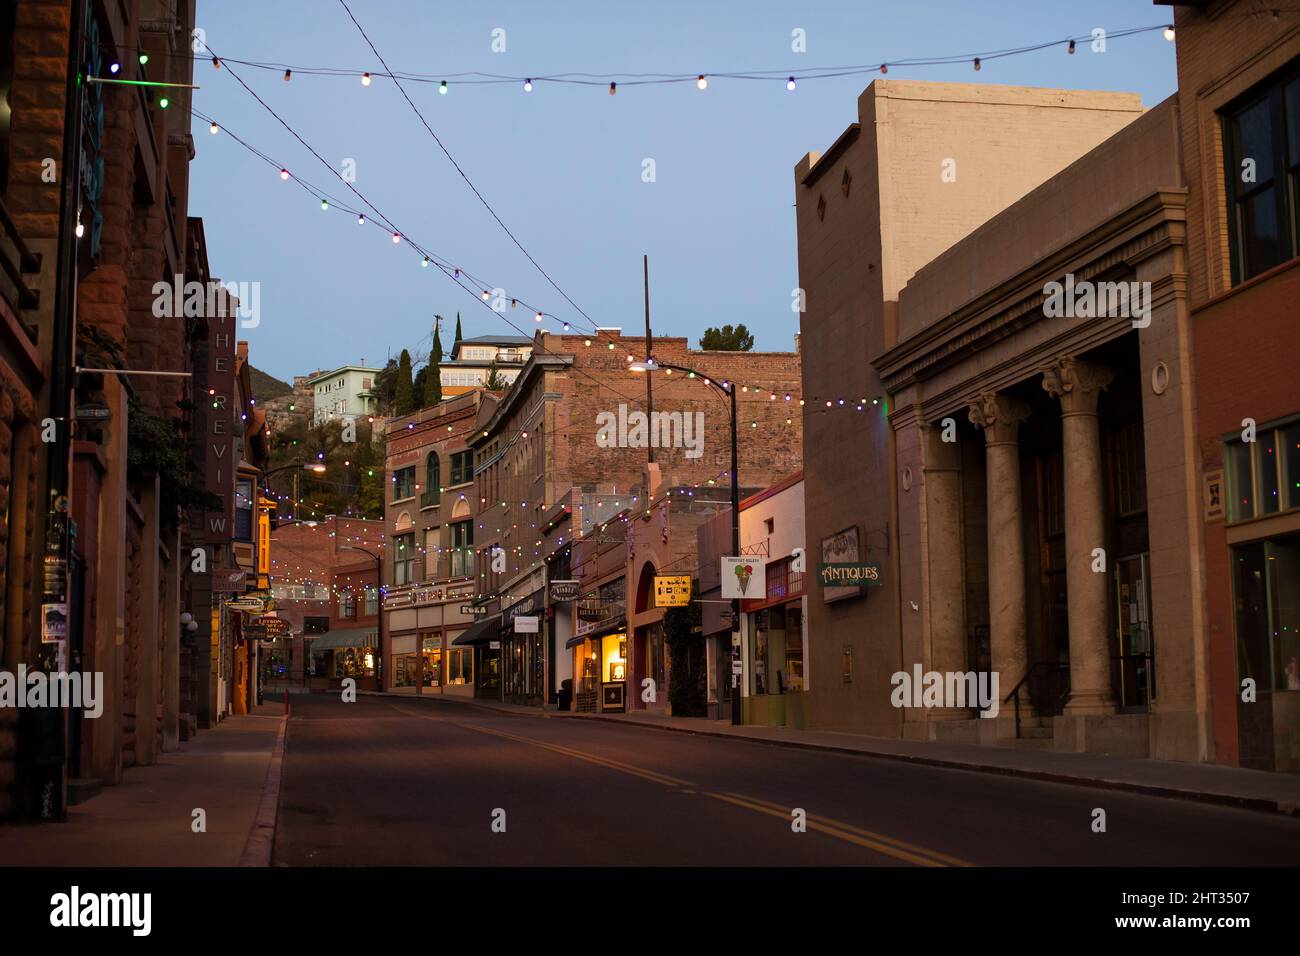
(1043, 433)
(1239, 103)
(924, 165)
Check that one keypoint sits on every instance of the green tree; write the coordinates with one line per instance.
(384, 388)
(404, 399)
(727, 339)
(494, 383)
(433, 378)
(458, 335)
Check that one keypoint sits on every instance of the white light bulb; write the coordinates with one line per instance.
(1169, 33)
(214, 128)
(702, 82)
(365, 79)
(789, 84)
(528, 86)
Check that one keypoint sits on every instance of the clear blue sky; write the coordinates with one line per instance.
(562, 165)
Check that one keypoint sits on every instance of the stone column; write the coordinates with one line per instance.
(1000, 415)
(945, 620)
(1078, 385)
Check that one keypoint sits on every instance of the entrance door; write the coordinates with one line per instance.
(1136, 656)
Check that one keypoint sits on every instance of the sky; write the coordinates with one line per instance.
(563, 166)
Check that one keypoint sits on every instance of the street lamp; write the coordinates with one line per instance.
(379, 594)
(729, 389)
(316, 467)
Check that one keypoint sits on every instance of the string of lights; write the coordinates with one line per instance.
(614, 81)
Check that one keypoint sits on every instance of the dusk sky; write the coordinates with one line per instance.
(562, 165)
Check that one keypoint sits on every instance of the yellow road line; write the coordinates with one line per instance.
(891, 846)
(887, 846)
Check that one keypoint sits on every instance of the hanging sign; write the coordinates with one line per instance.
(672, 590)
(744, 577)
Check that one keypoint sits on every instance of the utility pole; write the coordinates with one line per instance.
(649, 350)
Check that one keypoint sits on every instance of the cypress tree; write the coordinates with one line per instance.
(433, 380)
(405, 400)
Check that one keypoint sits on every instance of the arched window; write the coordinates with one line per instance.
(432, 479)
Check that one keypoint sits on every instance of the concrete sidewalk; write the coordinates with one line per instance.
(146, 819)
(1208, 783)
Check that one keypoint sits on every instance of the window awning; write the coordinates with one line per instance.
(604, 630)
(480, 632)
(349, 637)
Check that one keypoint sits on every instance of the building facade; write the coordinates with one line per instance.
(925, 164)
(473, 360)
(1239, 102)
(344, 393)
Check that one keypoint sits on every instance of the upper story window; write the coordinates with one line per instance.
(1262, 160)
(1263, 476)
(243, 510)
(462, 467)
(347, 605)
(403, 483)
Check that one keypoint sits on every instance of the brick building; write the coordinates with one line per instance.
(568, 429)
(1239, 100)
(429, 509)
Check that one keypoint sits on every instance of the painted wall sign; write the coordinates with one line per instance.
(843, 547)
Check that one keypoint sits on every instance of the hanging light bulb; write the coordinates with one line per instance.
(789, 84)
(612, 88)
(884, 68)
(324, 204)
(163, 103)
(288, 75)
(977, 63)
(538, 317)
(144, 57)
(702, 82)
(1169, 33)
(1070, 48)
(425, 263)
(566, 326)
(397, 237)
(214, 128)
(361, 219)
(365, 79)
(115, 67)
(284, 174)
(216, 64)
(442, 87)
(486, 295)
(81, 229)
(528, 86)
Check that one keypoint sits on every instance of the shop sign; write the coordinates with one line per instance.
(274, 626)
(54, 623)
(564, 591)
(849, 574)
(93, 413)
(672, 590)
(843, 547)
(594, 615)
(474, 610)
(612, 694)
(228, 582)
(525, 624)
(744, 577)
(494, 645)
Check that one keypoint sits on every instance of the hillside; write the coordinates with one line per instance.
(267, 387)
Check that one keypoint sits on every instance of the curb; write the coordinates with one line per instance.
(261, 838)
(1258, 804)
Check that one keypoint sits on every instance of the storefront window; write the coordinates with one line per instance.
(431, 650)
(1266, 593)
(460, 666)
(776, 651)
(794, 649)
(405, 667)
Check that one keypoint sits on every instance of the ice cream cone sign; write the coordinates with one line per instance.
(743, 577)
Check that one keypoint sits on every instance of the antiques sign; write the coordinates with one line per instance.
(849, 575)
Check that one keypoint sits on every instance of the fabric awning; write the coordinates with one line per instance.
(480, 631)
(611, 627)
(349, 637)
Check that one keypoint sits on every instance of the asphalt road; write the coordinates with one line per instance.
(385, 781)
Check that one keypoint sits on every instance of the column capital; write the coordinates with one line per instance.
(999, 415)
(1078, 384)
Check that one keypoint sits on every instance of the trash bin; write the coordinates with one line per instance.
(566, 694)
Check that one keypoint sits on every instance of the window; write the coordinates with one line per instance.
(403, 483)
(462, 467)
(460, 666)
(404, 558)
(243, 510)
(347, 605)
(432, 481)
(769, 524)
(431, 554)
(372, 601)
(1131, 470)
(1266, 594)
(1264, 475)
(462, 555)
(1262, 164)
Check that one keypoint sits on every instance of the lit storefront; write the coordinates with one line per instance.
(523, 644)
(599, 647)
(345, 653)
(422, 624)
